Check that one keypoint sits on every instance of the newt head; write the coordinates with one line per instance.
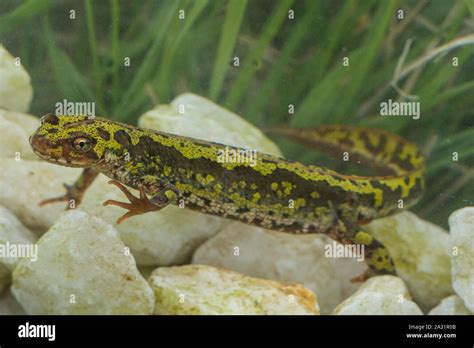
(73, 141)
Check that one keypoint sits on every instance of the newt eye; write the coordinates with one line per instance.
(81, 144)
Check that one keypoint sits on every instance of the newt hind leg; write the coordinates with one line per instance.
(376, 256)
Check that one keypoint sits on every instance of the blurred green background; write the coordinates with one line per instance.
(282, 61)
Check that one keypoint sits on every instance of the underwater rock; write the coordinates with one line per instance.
(461, 227)
(420, 251)
(9, 305)
(452, 305)
(199, 289)
(15, 86)
(15, 128)
(15, 241)
(380, 295)
(283, 257)
(83, 268)
(26, 183)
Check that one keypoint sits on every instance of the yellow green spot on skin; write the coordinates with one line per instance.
(315, 194)
(374, 139)
(209, 178)
(204, 180)
(238, 199)
(274, 186)
(256, 197)
(363, 238)
(167, 170)
(380, 260)
(287, 187)
(133, 167)
(171, 195)
(300, 202)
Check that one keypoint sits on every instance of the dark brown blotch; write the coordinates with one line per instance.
(50, 118)
(103, 133)
(122, 137)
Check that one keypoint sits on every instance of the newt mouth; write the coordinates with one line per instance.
(46, 150)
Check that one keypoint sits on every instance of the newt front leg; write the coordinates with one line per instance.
(75, 193)
(165, 195)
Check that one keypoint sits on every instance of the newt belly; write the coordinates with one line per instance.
(270, 192)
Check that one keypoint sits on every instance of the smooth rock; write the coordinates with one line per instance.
(284, 257)
(16, 128)
(199, 289)
(26, 183)
(15, 85)
(15, 241)
(83, 268)
(461, 228)
(452, 305)
(380, 295)
(420, 251)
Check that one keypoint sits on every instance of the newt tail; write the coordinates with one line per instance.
(401, 166)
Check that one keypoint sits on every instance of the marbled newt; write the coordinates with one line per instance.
(275, 193)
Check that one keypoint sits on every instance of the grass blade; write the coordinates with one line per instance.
(298, 34)
(245, 76)
(69, 79)
(470, 6)
(99, 93)
(24, 12)
(227, 41)
(360, 68)
(162, 81)
(129, 98)
(115, 52)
